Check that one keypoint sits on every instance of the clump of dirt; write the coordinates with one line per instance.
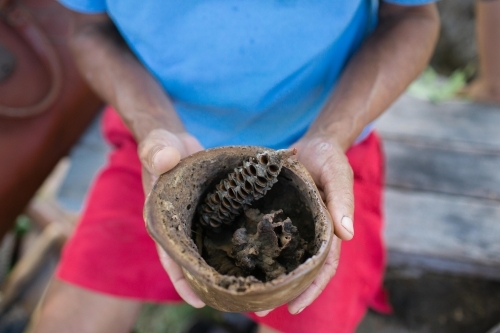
(261, 245)
(255, 223)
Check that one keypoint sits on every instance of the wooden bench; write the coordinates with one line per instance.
(443, 186)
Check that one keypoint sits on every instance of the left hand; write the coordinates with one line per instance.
(327, 163)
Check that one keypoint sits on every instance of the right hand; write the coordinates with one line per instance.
(159, 152)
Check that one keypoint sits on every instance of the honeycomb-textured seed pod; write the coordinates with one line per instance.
(241, 188)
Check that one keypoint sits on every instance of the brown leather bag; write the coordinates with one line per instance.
(44, 103)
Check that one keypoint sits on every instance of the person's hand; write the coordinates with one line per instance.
(159, 152)
(328, 165)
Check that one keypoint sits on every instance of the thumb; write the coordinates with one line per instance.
(160, 151)
(165, 159)
(334, 176)
(337, 179)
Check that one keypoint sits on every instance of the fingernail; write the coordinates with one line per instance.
(300, 310)
(154, 160)
(262, 313)
(197, 304)
(347, 224)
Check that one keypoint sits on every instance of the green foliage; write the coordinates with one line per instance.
(436, 88)
(156, 318)
(23, 225)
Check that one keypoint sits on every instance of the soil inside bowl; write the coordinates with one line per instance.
(271, 238)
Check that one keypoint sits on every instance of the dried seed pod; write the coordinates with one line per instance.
(170, 219)
(241, 188)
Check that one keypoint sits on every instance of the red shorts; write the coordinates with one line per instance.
(111, 252)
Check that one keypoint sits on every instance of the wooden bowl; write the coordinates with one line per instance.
(170, 213)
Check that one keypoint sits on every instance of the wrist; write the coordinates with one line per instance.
(341, 133)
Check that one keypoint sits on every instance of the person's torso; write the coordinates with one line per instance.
(244, 72)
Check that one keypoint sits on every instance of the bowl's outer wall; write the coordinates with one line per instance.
(253, 302)
(170, 208)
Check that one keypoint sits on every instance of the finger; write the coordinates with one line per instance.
(338, 181)
(159, 160)
(160, 151)
(148, 180)
(165, 159)
(182, 287)
(263, 313)
(318, 285)
(333, 175)
(322, 195)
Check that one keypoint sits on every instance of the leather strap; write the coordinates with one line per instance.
(20, 20)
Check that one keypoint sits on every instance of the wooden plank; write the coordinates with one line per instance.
(458, 121)
(439, 169)
(451, 228)
(416, 262)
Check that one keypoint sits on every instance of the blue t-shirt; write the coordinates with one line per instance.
(243, 72)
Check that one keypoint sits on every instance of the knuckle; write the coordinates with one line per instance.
(318, 287)
(341, 199)
(319, 284)
(331, 267)
(349, 201)
(142, 149)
